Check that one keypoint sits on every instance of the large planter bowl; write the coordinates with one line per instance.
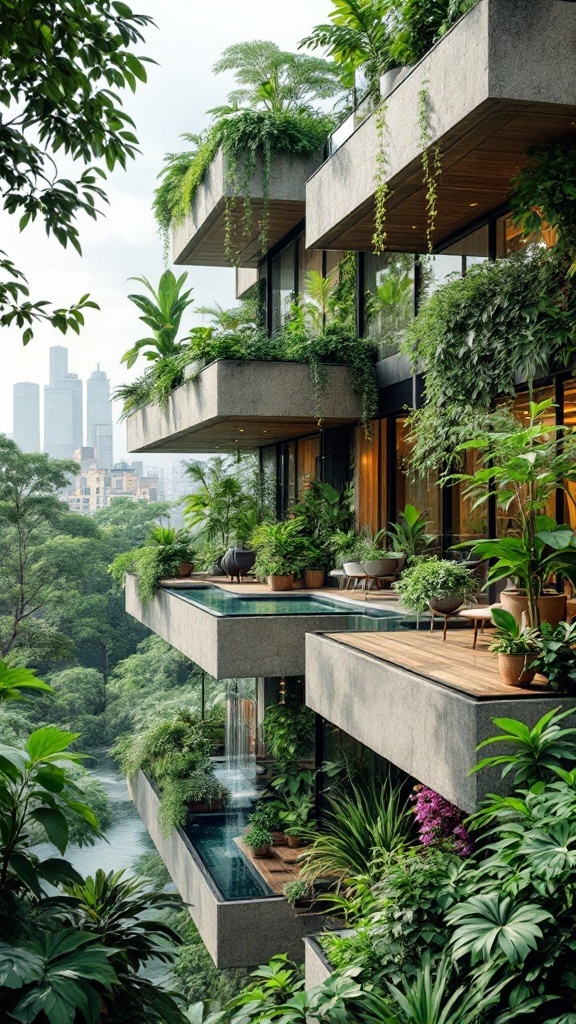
(551, 607)
(446, 605)
(285, 582)
(515, 669)
(313, 579)
(237, 562)
(381, 566)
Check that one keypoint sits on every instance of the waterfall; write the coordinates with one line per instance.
(241, 740)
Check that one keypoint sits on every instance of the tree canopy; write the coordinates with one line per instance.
(62, 69)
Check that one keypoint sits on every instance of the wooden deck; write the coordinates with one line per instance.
(452, 662)
(277, 869)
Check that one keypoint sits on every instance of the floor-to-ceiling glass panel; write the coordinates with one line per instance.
(282, 271)
(510, 239)
(308, 463)
(388, 299)
(367, 480)
(569, 420)
(421, 491)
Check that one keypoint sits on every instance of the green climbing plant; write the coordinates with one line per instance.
(431, 161)
(382, 190)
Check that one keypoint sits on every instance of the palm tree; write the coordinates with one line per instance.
(244, 315)
(275, 79)
(224, 506)
(162, 314)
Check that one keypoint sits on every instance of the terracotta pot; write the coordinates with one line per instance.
(293, 842)
(279, 839)
(298, 583)
(261, 851)
(186, 568)
(285, 582)
(313, 579)
(446, 605)
(515, 668)
(552, 607)
(204, 806)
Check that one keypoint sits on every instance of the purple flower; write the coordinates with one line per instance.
(440, 822)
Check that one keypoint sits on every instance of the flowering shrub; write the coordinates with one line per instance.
(440, 822)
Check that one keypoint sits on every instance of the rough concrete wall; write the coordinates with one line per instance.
(316, 968)
(248, 390)
(502, 51)
(238, 933)
(426, 729)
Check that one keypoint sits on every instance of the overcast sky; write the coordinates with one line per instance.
(190, 36)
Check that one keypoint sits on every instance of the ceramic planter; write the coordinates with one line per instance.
(552, 607)
(515, 669)
(313, 579)
(204, 806)
(237, 562)
(285, 582)
(261, 851)
(381, 566)
(445, 605)
(186, 569)
(293, 842)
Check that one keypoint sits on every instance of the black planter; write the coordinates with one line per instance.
(237, 562)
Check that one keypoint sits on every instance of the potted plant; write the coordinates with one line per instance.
(259, 839)
(521, 469)
(408, 536)
(299, 892)
(436, 583)
(280, 552)
(266, 815)
(516, 647)
(557, 655)
(315, 570)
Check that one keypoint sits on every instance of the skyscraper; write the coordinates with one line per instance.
(58, 363)
(26, 418)
(63, 408)
(99, 417)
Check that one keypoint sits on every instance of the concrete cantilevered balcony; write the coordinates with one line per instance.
(238, 932)
(201, 239)
(422, 703)
(502, 80)
(235, 404)
(234, 635)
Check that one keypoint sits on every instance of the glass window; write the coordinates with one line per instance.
(422, 492)
(436, 271)
(474, 246)
(509, 237)
(507, 521)
(389, 299)
(367, 486)
(569, 420)
(468, 523)
(282, 271)
(308, 462)
(309, 261)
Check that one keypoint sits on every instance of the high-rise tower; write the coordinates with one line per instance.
(26, 418)
(99, 417)
(63, 408)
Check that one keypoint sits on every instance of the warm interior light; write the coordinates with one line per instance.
(282, 691)
(473, 204)
(240, 430)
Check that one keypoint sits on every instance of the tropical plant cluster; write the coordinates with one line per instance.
(318, 329)
(175, 754)
(480, 939)
(162, 556)
(517, 316)
(375, 35)
(80, 948)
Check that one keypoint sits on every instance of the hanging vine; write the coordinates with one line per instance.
(431, 162)
(381, 190)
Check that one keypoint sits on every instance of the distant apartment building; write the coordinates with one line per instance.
(26, 416)
(95, 487)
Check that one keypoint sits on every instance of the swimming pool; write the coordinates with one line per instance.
(223, 604)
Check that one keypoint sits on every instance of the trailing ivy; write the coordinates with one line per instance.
(544, 192)
(431, 161)
(245, 136)
(475, 334)
(381, 189)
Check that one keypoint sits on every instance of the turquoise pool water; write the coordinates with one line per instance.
(212, 836)
(223, 603)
